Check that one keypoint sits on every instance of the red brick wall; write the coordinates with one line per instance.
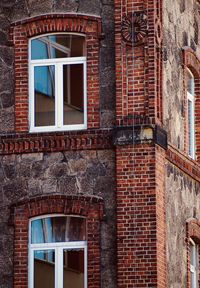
(22, 31)
(91, 208)
(140, 168)
(139, 68)
(136, 216)
(141, 216)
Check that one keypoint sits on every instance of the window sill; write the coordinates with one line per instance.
(56, 129)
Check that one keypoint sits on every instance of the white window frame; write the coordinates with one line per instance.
(191, 119)
(58, 247)
(194, 266)
(58, 63)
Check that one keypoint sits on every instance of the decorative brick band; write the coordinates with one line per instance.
(48, 142)
(90, 207)
(183, 162)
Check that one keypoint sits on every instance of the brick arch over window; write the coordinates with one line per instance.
(193, 232)
(22, 31)
(21, 213)
(192, 62)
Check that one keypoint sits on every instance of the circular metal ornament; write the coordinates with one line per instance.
(134, 28)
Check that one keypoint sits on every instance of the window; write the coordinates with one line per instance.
(193, 264)
(191, 118)
(57, 252)
(57, 83)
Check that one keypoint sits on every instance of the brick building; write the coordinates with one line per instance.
(100, 143)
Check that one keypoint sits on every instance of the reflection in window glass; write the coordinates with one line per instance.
(57, 46)
(190, 126)
(44, 269)
(58, 229)
(58, 252)
(44, 83)
(193, 265)
(73, 94)
(190, 114)
(58, 80)
(73, 268)
(190, 83)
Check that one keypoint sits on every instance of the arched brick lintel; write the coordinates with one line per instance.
(193, 229)
(191, 61)
(49, 23)
(90, 207)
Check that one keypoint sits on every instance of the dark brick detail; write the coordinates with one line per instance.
(140, 134)
(160, 137)
(136, 134)
(27, 143)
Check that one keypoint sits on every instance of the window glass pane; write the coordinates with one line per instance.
(44, 95)
(73, 94)
(190, 83)
(190, 127)
(57, 46)
(73, 268)
(192, 282)
(58, 229)
(44, 269)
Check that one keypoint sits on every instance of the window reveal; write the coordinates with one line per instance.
(57, 83)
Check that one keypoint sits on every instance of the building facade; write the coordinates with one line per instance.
(100, 143)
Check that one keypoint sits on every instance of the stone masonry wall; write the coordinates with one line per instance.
(181, 28)
(182, 203)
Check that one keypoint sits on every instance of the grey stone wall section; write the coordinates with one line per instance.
(182, 203)
(6, 71)
(107, 66)
(181, 28)
(69, 173)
